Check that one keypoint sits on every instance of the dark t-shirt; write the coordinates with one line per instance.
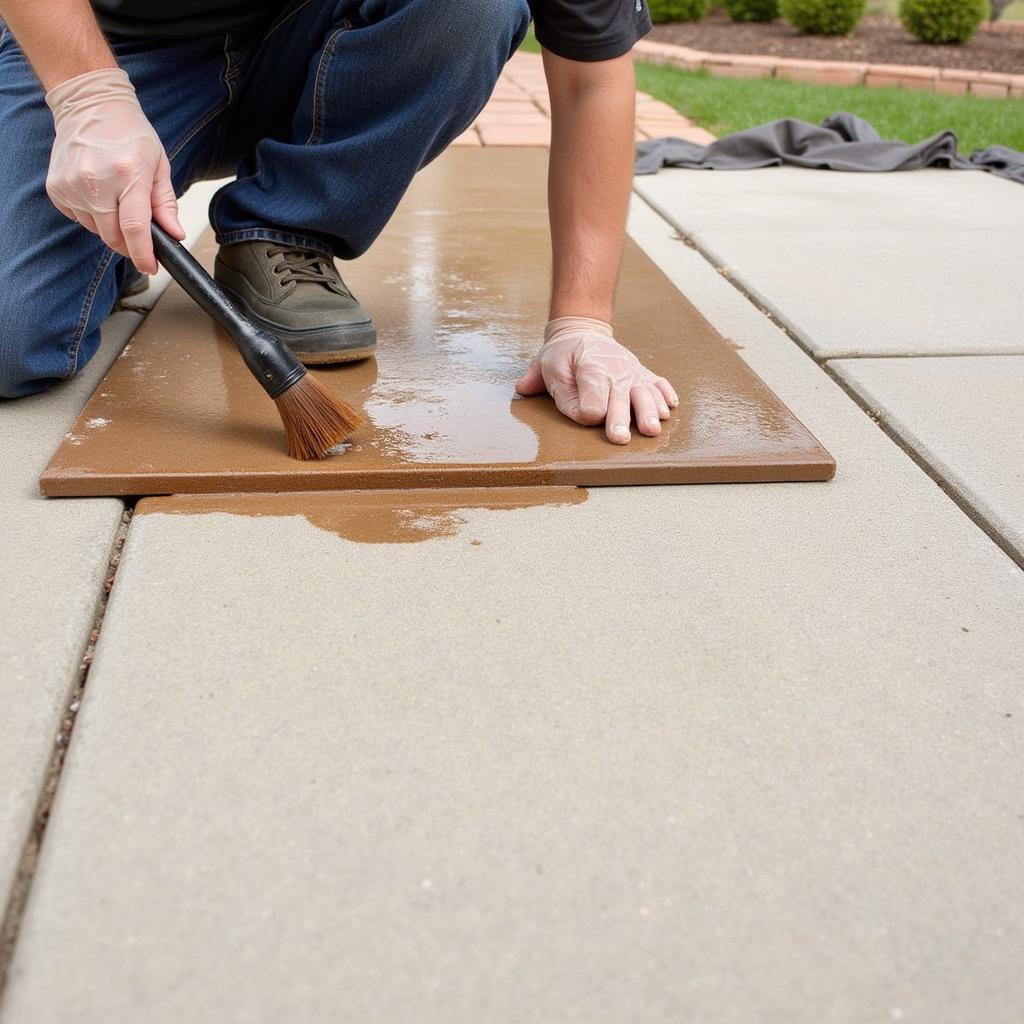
(576, 29)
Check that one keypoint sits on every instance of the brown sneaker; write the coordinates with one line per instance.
(298, 295)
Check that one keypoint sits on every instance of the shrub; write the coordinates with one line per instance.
(678, 10)
(823, 17)
(943, 21)
(752, 10)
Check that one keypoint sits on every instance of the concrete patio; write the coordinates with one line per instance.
(725, 753)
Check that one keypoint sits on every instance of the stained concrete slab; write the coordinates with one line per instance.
(458, 285)
(863, 264)
(964, 418)
(54, 557)
(373, 517)
(678, 753)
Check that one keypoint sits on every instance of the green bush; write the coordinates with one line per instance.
(823, 17)
(752, 10)
(943, 21)
(678, 10)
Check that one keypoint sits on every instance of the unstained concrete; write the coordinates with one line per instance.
(54, 557)
(906, 263)
(458, 285)
(682, 753)
(965, 419)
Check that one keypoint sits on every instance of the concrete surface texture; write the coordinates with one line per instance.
(54, 557)
(709, 753)
(964, 418)
(466, 255)
(713, 753)
(863, 264)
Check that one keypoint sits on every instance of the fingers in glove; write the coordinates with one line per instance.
(567, 398)
(108, 227)
(668, 391)
(133, 216)
(87, 222)
(594, 391)
(645, 409)
(659, 402)
(532, 381)
(616, 424)
(164, 202)
(65, 210)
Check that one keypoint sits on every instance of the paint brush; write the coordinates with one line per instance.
(314, 420)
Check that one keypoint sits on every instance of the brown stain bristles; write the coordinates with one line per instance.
(314, 420)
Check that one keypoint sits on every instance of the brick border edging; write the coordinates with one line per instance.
(992, 84)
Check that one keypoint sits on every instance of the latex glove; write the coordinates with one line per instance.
(593, 378)
(108, 168)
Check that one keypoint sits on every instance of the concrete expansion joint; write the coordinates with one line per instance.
(961, 501)
(948, 488)
(29, 859)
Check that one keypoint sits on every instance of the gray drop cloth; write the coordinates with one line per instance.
(842, 142)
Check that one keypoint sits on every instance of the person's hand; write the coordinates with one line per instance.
(108, 168)
(593, 378)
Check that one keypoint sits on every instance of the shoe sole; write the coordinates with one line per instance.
(364, 333)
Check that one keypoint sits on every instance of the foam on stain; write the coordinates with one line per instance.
(97, 421)
(373, 517)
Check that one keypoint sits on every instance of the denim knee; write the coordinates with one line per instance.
(31, 359)
(468, 28)
(485, 22)
(40, 344)
(503, 19)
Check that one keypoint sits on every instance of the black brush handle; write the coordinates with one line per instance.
(265, 355)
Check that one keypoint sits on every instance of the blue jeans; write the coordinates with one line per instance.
(324, 115)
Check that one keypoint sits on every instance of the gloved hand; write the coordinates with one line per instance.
(592, 378)
(108, 168)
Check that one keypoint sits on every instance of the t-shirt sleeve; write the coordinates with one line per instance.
(590, 29)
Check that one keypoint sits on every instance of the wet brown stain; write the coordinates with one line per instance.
(458, 285)
(372, 517)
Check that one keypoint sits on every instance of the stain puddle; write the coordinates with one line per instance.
(372, 516)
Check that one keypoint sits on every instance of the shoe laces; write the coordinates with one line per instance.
(303, 265)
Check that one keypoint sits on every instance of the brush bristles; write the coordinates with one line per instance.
(314, 419)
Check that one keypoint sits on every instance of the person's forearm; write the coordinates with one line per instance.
(61, 38)
(592, 153)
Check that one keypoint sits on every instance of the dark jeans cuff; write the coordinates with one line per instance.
(270, 235)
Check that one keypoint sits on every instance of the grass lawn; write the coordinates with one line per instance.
(724, 105)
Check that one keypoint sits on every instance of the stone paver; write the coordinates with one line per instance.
(863, 264)
(964, 418)
(704, 753)
(519, 110)
(54, 557)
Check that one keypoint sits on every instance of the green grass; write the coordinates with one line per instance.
(530, 44)
(724, 105)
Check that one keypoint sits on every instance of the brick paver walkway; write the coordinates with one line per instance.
(518, 113)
